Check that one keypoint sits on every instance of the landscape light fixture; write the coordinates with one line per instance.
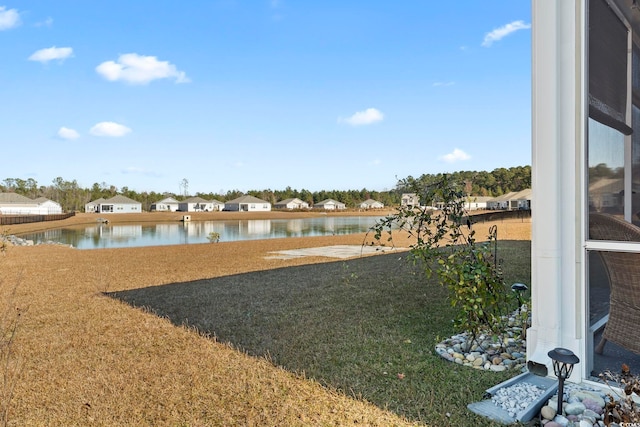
(563, 361)
(519, 288)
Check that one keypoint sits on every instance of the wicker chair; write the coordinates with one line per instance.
(623, 270)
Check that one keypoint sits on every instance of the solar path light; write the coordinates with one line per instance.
(563, 361)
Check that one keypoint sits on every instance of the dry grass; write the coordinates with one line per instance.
(90, 360)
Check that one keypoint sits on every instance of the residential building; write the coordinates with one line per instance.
(585, 120)
(168, 204)
(247, 204)
(17, 204)
(330, 205)
(294, 203)
(198, 204)
(371, 204)
(115, 204)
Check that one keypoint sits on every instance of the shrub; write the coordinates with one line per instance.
(445, 243)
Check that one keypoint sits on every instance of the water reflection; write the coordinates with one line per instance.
(131, 235)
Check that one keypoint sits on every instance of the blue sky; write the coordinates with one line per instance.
(262, 94)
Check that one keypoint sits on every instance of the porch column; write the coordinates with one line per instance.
(556, 160)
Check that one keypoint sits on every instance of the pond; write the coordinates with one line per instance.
(100, 236)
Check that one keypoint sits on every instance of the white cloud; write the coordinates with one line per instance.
(51, 53)
(66, 133)
(8, 18)
(139, 69)
(366, 117)
(455, 156)
(500, 33)
(46, 23)
(109, 129)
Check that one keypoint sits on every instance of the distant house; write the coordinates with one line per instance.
(48, 206)
(371, 204)
(410, 200)
(291, 204)
(116, 204)
(198, 204)
(247, 204)
(168, 204)
(521, 200)
(511, 201)
(473, 203)
(500, 202)
(606, 194)
(17, 204)
(330, 205)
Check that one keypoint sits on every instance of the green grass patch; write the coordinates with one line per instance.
(366, 327)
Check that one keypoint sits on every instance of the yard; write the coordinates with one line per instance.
(217, 334)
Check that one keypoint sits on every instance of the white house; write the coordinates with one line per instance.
(330, 205)
(410, 200)
(116, 204)
(585, 113)
(473, 203)
(500, 202)
(168, 204)
(47, 206)
(371, 204)
(17, 204)
(247, 204)
(521, 200)
(198, 204)
(294, 203)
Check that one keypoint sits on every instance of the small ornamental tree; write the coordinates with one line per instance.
(445, 243)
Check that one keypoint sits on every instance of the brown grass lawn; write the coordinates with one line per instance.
(87, 359)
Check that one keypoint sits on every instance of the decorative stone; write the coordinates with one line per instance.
(576, 408)
(478, 361)
(585, 423)
(591, 414)
(498, 368)
(561, 420)
(496, 360)
(593, 396)
(548, 412)
(593, 406)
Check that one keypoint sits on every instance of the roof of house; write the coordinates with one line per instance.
(607, 185)
(97, 201)
(247, 199)
(285, 201)
(122, 200)
(370, 202)
(14, 198)
(329, 201)
(522, 195)
(504, 197)
(167, 200)
(195, 200)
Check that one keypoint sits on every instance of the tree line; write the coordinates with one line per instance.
(72, 196)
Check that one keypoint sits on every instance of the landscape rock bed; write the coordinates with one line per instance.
(485, 352)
